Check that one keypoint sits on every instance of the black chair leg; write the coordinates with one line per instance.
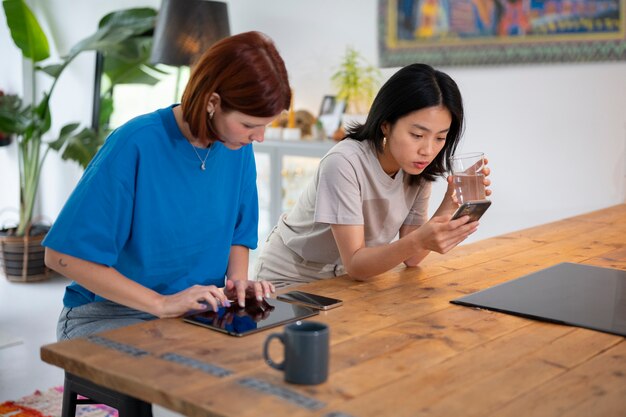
(69, 400)
(126, 406)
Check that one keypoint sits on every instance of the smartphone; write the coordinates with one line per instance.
(309, 300)
(474, 209)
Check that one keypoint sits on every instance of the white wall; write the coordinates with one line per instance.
(555, 134)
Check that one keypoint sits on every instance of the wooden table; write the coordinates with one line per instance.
(398, 347)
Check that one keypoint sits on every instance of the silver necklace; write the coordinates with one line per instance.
(202, 161)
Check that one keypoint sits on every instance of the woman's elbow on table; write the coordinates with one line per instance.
(411, 263)
(357, 273)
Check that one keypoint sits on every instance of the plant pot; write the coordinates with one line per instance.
(22, 257)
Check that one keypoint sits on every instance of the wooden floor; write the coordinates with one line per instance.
(398, 347)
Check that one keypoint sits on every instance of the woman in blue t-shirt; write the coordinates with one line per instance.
(164, 216)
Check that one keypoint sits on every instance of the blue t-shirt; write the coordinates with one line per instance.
(145, 208)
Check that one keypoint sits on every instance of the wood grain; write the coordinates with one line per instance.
(398, 347)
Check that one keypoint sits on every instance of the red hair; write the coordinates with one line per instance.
(246, 71)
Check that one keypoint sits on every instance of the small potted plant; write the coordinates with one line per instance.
(28, 121)
(356, 82)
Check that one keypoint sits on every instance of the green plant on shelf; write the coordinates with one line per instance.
(356, 82)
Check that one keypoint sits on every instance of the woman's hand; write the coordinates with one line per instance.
(450, 202)
(196, 298)
(240, 289)
(486, 171)
(440, 234)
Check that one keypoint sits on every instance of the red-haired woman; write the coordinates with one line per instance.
(162, 221)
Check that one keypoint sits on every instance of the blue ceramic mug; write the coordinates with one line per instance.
(306, 345)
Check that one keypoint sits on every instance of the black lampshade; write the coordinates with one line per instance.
(186, 28)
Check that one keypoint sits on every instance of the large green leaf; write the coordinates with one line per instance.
(64, 134)
(13, 117)
(115, 28)
(83, 146)
(129, 17)
(26, 31)
(53, 70)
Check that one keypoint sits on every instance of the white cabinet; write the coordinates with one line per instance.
(284, 168)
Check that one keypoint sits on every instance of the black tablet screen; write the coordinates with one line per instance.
(255, 316)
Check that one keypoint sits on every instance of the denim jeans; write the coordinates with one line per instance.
(96, 317)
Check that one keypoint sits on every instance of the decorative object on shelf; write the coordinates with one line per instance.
(305, 121)
(356, 82)
(479, 32)
(331, 111)
(291, 131)
(274, 131)
(31, 122)
(185, 29)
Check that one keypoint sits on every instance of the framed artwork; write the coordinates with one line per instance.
(331, 111)
(479, 32)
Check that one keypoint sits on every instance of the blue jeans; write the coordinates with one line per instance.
(97, 317)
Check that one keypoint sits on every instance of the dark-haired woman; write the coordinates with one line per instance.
(375, 184)
(164, 216)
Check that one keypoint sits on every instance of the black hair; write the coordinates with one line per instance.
(412, 88)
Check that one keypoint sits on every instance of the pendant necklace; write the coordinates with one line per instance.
(202, 161)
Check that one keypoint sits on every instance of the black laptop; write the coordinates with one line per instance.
(566, 293)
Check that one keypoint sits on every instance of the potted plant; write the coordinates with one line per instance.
(120, 34)
(356, 82)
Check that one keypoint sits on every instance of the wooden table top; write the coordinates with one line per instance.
(398, 347)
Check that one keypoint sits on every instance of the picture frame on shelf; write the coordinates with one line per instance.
(331, 112)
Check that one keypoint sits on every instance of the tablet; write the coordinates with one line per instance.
(254, 317)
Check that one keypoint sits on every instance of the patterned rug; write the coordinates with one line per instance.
(48, 404)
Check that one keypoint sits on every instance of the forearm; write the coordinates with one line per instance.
(419, 254)
(238, 263)
(106, 282)
(369, 261)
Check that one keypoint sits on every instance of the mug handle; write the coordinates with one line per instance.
(268, 360)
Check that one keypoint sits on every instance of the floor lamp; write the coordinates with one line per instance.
(185, 29)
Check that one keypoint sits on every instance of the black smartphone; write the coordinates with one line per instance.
(309, 300)
(474, 209)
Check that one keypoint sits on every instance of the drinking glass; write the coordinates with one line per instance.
(467, 176)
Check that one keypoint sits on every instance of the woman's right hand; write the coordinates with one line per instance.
(440, 234)
(196, 298)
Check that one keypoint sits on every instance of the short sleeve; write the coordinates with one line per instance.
(95, 222)
(339, 198)
(418, 214)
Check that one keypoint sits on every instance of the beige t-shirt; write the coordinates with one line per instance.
(350, 187)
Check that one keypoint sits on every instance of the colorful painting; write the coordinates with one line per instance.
(476, 32)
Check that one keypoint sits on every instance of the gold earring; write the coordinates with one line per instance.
(384, 142)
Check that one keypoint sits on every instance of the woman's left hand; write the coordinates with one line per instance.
(450, 202)
(486, 171)
(241, 289)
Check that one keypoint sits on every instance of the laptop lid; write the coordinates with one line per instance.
(567, 293)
